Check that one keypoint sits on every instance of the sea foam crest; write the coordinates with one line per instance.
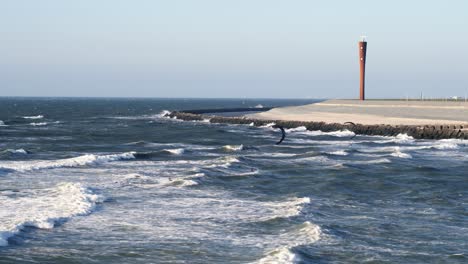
(45, 209)
(33, 117)
(84, 160)
(338, 153)
(39, 124)
(290, 207)
(304, 234)
(445, 145)
(400, 138)
(297, 129)
(233, 147)
(16, 151)
(269, 125)
(281, 255)
(339, 133)
(178, 151)
(397, 153)
(164, 113)
(2, 123)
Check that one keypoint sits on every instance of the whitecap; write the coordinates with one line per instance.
(33, 117)
(16, 151)
(80, 161)
(397, 153)
(164, 113)
(45, 209)
(339, 133)
(297, 129)
(304, 234)
(269, 125)
(289, 208)
(233, 147)
(178, 151)
(2, 123)
(444, 146)
(39, 124)
(376, 161)
(338, 153)
(400, 138)
(281, 255)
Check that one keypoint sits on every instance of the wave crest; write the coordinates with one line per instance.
(89, 159)
(33, 117)
(178, 151)
(50, 207)
(233, 147)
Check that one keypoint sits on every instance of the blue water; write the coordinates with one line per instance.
(113, 181)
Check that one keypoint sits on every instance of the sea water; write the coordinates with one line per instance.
(114, 181)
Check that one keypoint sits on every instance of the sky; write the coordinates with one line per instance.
(232, 48)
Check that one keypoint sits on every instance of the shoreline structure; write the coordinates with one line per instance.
(419, 119)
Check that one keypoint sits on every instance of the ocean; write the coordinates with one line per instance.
(89, 180)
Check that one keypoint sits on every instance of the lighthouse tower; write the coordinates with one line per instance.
(362, 64)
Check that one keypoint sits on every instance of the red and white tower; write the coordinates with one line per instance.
(362, 64)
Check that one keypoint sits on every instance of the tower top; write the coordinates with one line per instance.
(363, 39)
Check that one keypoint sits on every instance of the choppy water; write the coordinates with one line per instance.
(111, 181)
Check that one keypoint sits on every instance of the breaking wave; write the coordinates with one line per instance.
(306, 233)
(303, 130)
(2, 123)
(89, 159)
(233, 147)
(269, 125)
(46, 209)
(33, 117)
(39, 124)
(16, 151)
(338, 153)
(178, 151)
(397, 153)
(297, 129)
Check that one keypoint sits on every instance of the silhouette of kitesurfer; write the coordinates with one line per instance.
(283, 133)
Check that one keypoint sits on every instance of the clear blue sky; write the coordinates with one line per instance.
(236, 48)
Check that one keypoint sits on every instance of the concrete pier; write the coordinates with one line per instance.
(421, 120)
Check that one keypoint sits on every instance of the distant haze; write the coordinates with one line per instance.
(242, 48)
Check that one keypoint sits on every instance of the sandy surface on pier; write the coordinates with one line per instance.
(372, 112)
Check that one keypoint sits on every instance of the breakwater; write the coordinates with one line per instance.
(416, 131)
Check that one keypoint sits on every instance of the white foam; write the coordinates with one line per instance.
(224, 162)
(259, 106)
(338, 153)
(376, 161)
(39, 124)
(269, 125)
(290, 207)
(306, 233)
(33, 117)
(297, 129)
(17, 151)
(44, 209)
(2, 123)
(281, 255)
(178, 151)
(339, 133)
(446, 145)
(397, 153)
(233, 147)
(84, 160)
(400, 138)
(164, 113)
